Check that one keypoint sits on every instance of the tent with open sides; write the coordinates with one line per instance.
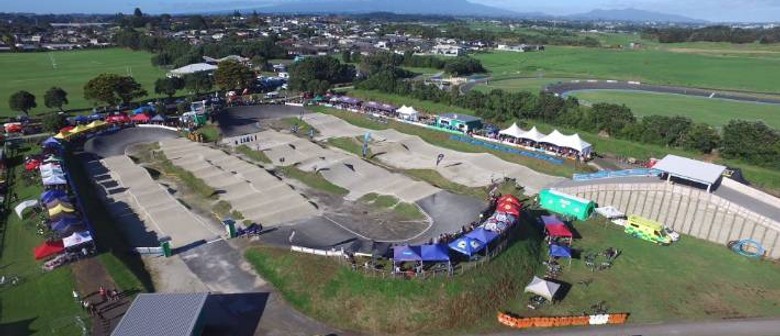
(65, 224)
(47, 249)
(543, 288)
(158, 118)
(467, 245)
(434, 253)
(79, 129)
(513, 131)
(407, 113)
(96, 124)
(533, 135)
(509, 208)
(77, 238)
(406, 253)
(510, 199)
(560, 251)
(558, 230)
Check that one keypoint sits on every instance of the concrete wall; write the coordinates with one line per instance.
(689, 211)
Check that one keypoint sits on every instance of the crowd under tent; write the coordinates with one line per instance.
(467, 245)
(533, 135)
(24, 205)
(408, 113)
(574, 142)
(691, 170)
(543, 288)
(77, 238)
(47, 249)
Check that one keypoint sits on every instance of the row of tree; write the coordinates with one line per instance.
(318, 74)
(177, 53)
(753, 142)
(456, 66)
(461, 31)
(24, 101)
(714, 34)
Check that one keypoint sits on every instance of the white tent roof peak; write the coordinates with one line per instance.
(513, 131)
(533, 135)
(407, 110)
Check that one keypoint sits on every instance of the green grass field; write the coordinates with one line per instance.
(654, 66)
(652, 283)
(519, 84)
(33, 72)
(715, 112)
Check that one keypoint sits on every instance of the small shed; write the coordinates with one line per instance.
(459, 122)
(163, 314)
(692, 170)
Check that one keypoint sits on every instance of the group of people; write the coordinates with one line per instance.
(446, 238)
(92, 307)
(245, 139)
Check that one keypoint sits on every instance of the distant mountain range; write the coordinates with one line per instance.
(458, 8)
(631, 14)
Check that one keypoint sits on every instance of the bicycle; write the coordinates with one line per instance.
(9, 280)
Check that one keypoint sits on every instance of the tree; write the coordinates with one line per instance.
(55, 97)
(346, 56)
(137, 12)
(198, 82)
(233, 75)
(52, 122)
(168, 86)
(113, 89)
(752, 141)
(611, 118)
(22, 101)
(311, 74)
(701, 137)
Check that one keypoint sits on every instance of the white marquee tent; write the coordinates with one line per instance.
(569, 141)
(513, 131)
(19, 209)
(192, 68)
(533, 135)
(407, 113)
(543, 288)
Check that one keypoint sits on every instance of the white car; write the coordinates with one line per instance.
(672, 234)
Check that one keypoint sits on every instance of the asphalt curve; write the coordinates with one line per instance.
(115, 143)
(239, 120)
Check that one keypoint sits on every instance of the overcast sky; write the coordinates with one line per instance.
(713, 10)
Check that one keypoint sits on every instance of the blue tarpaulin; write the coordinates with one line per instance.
(560, 251)
(51, 195)
(144, 109)
(406, 253)
(485, 236)
(436, 252)
(466, 245)
(81, 119)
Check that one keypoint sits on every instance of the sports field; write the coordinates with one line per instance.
(34, 72)
(716, 112)
(749, 72)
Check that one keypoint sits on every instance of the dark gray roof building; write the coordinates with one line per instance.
(163, 314)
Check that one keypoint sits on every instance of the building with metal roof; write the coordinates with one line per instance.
(692, 170)
(163, 314)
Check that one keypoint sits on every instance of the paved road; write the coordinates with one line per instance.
(111, 144)
(748, 327)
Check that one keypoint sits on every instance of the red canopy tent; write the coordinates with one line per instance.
(558, 230)
(508, 207)
(510, 199)
(66, 129)
(32, 164)
(13, 128)
(118, 118)
(48, 249)
(141, 117)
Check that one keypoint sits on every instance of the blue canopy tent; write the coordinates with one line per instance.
(51, 142)
(144, 109)
(81, 119)
(65, 223)
(484, 236)
(467, 245)
(436, 253)
(96, 116)
(54, 194)
(560, 251)
(405, 253)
